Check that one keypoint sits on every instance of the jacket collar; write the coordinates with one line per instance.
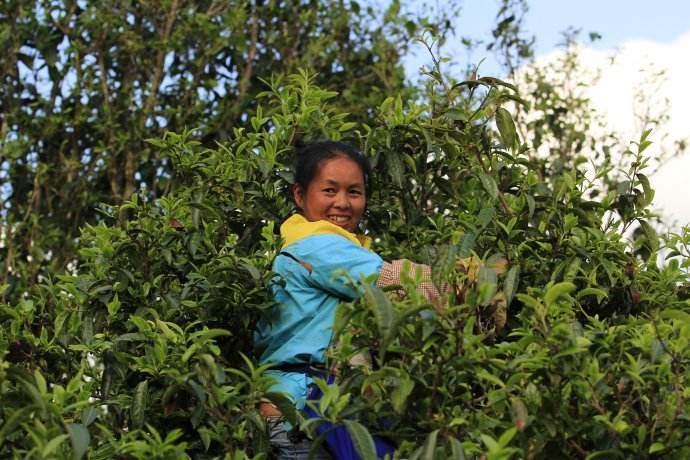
(297, 227)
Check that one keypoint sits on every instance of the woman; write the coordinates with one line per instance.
(320, 258)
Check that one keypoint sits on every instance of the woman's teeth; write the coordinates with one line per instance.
(338, 219)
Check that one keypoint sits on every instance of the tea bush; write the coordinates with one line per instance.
(559, 334)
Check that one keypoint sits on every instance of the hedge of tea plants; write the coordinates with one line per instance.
(562, 332)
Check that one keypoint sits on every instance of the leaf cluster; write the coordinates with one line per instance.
(556, 335)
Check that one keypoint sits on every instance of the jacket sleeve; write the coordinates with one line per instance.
(337, 265)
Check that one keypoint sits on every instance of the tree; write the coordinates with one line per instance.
(86, 83)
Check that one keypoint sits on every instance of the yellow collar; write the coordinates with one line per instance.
(297, 227)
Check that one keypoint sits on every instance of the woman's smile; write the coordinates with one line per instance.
(339, 220)
(336, 194)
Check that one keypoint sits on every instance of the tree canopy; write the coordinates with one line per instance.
(84, 84)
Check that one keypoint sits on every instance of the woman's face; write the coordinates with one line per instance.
(336, 193)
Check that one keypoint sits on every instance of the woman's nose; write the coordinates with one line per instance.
(342, 201)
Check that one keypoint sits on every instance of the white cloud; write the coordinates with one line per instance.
(616, 94)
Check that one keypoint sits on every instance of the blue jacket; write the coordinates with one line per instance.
(319, 266)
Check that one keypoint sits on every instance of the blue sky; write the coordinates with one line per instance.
(617, 21)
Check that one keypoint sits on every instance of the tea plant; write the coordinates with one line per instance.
(556, 337)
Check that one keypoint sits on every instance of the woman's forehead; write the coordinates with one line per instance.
(340, 169)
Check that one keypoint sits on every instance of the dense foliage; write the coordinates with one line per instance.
(555, 339)
(84, 83)
(563, 331)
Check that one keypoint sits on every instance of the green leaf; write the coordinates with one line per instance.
(487, 282)
(458, 452)
(506, 128)
(208, 334)
(489, 377)
(395, 168)
(130, 337)
(676, 314)
(656, 447)
(493, 81)
(605, 454)
(489, 185)
(558, 290)
(113, 306)
(167, 332)
(507, 436)
(80, 438)
(252, 270)
(402, 392)
(511, 283)
(189, 352)
(285, 406)
(467, 244)
(15, 419)
(485, 216)
(383, 310)
(489, 442)
(648, 191)
(531, 204)
(138, 409)
(205, 438)
(599, 293)
(519, 412)
(52, 445)
(457, 114)
(430, 446)
(41, 384)
(364, 443)
(88, 415)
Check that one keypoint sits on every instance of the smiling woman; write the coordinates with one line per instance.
(335, 194)
(322, 262)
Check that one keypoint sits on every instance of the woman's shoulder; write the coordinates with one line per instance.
(328, 243)
(298, 229)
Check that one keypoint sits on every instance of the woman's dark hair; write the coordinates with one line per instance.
(310, 156)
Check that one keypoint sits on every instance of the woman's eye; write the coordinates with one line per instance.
(329, 190)
(355, 192)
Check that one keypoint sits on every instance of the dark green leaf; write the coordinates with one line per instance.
(489, 185)
(456, 448)
(80, 438)
(506, 128)
(511, 283)
(364, 443)
(430, 446)
(139, 404)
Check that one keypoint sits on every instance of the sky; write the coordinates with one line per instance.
(644, 36)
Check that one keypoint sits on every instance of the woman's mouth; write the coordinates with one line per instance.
(339, 220)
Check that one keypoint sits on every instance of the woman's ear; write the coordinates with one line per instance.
(298, 196)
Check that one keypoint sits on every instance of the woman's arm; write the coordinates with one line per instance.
(391, 272)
